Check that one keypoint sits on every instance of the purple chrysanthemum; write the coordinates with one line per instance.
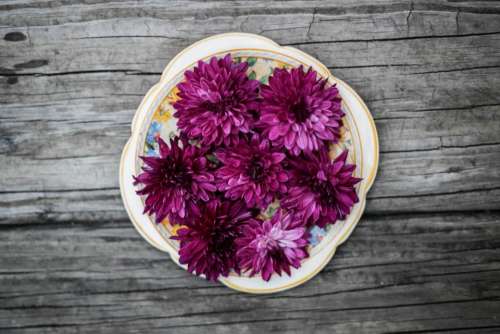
(251, 171)
(207, 243)
(175, 181)
(324, 190)
(272, 246)
(299, 111)
(215, 101)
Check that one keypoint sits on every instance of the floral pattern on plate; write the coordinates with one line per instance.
(260, 68)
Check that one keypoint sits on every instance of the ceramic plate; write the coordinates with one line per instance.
(154, 118)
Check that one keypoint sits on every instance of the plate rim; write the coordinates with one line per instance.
(328, 252)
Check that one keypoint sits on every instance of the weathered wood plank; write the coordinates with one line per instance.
(96, 40)
(396, 274)
(439, 140)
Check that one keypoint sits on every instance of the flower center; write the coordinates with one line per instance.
(325, 191)
(177, 174)
(266, 242)
(300, 111)
(219, 107)
(221, 238)
(256, 169)
(277, 255)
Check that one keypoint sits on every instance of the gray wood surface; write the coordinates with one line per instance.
(425, 256)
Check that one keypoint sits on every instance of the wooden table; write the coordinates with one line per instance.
(425, 256)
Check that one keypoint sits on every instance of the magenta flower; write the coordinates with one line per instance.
(175, 181)
(207, 243)
(251, 171)
(216, 100)
(299, 111)
(272, 246)
(324, 190)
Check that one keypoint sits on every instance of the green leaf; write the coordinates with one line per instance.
(264, 79)
(271, 209)
(212, 158)
(194, 142)
(251, 61)
(252, 75)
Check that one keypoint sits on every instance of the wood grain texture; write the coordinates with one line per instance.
(395, 274)
(425, 257)
(430, 73)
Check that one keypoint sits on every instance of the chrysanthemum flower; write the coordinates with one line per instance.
(207, 243)
(215, 101)
(251, 171)
(299, 111)
(272, 246)
(176, 181)
(324, 190)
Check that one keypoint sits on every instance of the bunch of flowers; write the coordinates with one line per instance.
(242, 147)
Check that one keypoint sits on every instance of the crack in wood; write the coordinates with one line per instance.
(458, 69)
(444, 329)
(436, 194)
(410, 12)
(393, 39)
(41, 74)
(308, 33)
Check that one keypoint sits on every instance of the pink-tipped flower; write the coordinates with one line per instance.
(207, 243)
(324, 190)
(299, 111)
(176, 181)
(251, 171)
(216, 100)
(272, 246)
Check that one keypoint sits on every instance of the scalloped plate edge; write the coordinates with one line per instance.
(226, 43)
